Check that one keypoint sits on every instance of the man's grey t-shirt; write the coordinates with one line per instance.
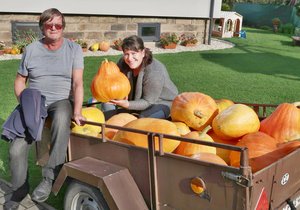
(51, 71)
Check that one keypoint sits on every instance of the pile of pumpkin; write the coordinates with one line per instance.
(198, 116)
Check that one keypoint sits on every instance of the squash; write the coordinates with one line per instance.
(152, 125)
(223, 153)
(209, 157)
(235, 121)
(283, 123)
(104, 46)
(120, 119)
(182, 128)
(109, 83)
(223, 104)
(189, 149)
(258, 144)
(282, 150)
(195, 109)
(92, 114)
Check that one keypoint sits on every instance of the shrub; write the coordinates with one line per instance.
(287, 28)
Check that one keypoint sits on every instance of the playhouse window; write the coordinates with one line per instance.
(228, 26)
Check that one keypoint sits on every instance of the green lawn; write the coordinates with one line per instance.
(263, 68)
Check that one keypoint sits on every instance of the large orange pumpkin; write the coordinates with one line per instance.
(92, 114)
(282, 150)
(109, 83)
(236, 121)
(189, 149)
(152, 125)
(284, 123)
(258, 144)
(209, 157)
(223, 104)
(120, 119)
(195, 109)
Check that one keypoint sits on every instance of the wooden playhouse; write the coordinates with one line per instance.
(228, 25)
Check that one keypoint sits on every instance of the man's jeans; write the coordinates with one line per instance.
(60, 113)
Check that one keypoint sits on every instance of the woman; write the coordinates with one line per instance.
(152, 90)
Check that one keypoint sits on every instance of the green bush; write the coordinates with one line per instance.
(287, 28)
(225, 7)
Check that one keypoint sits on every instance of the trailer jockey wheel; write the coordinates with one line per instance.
(80, 196)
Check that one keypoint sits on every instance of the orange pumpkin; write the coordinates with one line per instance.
(284, 123)
(120, 119)
(209, 157)
(236, 121)
(104, 46)
(152, 125)
(92, 114)
(282, 150)
(223, 153)
(182, 128)
(258, 144)
(109, 83)
(189, 149)
(223, 104)
(195, 109)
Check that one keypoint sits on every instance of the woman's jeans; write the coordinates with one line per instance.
(60, 113)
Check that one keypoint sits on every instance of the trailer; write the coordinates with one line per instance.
(105, 174)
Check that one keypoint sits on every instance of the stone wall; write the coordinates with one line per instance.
(99, 28)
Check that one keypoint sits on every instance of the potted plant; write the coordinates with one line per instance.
(276, 22)
(2, 45)
(188, 40)
(83, 44)
(118, 44)
(169, 40)
(24, 38)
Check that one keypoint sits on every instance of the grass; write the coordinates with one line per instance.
(263, 68)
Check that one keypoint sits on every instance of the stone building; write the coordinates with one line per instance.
(93, 22)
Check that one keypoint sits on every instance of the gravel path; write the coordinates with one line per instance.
(216, 44)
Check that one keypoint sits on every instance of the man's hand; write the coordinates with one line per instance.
(78, 118)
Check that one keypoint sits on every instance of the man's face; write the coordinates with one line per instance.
(53, 28)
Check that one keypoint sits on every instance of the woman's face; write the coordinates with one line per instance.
(133, 59)
(53, 28)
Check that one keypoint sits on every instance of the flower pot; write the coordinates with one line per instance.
(189, 45)
(1, 52)
(170, 46)
(84, 49)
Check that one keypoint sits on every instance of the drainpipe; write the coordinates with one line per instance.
(211, 15)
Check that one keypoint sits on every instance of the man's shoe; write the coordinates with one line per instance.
(42, 191)
(11, 205)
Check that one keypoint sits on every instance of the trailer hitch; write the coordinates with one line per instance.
(239, 179)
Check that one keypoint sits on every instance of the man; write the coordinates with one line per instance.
(54, 66)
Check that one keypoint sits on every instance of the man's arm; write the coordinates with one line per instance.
(20, 85)
(78, 95)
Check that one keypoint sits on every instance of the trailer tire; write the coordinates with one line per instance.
(83, 196)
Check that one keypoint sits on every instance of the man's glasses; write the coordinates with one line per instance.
(50, 26)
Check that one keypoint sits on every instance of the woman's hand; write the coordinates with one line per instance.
(122, 103)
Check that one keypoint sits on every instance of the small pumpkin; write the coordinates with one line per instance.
(189, 149)
(152, 125)
(283, 123)
(182, 128)
(209, 157)
(92, 114)
(104, 46)
(236, 121)
(195, 109)
(258, 144)
(109, 83)
(223, 104)
(120, 119)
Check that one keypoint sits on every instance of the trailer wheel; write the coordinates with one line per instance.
(81, 196)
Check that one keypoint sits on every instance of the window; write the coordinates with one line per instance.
(21, 28)
(149, 32)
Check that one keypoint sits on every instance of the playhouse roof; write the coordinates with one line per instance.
(230, 14)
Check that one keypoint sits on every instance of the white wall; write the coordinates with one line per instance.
(161, 8)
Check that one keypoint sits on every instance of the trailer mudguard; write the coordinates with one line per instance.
(115, 182)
